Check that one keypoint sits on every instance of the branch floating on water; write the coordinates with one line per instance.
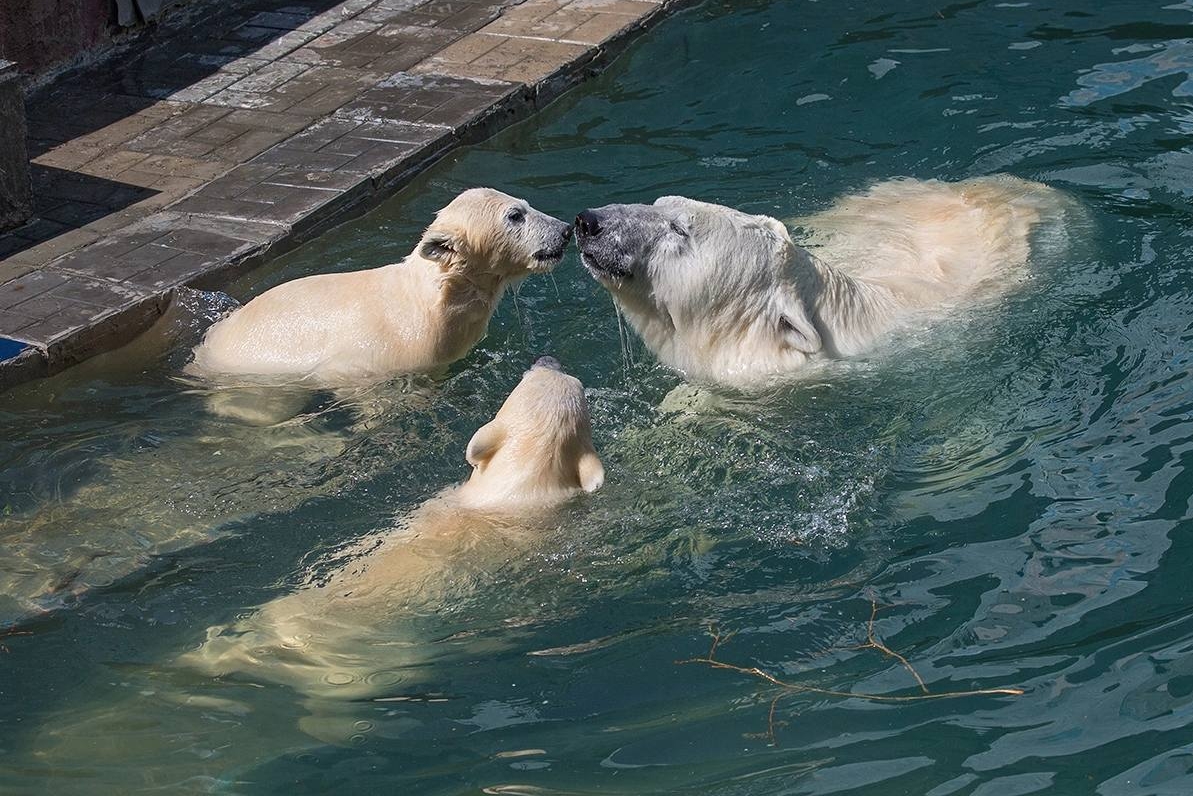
(872, 642)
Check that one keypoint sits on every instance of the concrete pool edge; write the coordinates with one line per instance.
(98, 295)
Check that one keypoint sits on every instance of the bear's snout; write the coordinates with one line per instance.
(588, 224)
(566, 234)
(554, 251)
(606, 254)
(548, 361)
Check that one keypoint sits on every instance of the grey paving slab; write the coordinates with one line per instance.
(213, 148)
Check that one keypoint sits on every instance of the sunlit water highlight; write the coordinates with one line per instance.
(1012, 488)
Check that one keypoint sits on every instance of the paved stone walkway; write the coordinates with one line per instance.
(233, 137)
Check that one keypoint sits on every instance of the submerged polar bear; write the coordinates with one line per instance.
(416, 316)
(328, 640)
(729, 298)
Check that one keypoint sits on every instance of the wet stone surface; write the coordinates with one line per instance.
(229, 138)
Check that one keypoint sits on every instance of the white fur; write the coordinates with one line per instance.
(326, 639)
(416, 316)
(729, 298)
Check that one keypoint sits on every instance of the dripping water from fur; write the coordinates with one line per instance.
(516, 300)
(624, 341)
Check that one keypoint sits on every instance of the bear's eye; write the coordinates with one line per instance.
(515, 216)
(678, 230)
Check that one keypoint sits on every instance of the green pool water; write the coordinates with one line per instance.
(1007, 494)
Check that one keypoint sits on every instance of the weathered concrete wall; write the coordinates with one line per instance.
(41, 34)
(45, 36)
(16, 197)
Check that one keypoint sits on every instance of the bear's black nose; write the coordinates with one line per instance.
(588, 224)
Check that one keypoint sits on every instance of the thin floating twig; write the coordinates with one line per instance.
(12, 632)
(872, 642)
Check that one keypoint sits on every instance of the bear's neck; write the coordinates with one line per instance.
(465, 303)
(847, 312)
(529, 496)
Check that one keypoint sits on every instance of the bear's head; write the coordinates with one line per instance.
(715, 292)
(487, 236)
(538, 449)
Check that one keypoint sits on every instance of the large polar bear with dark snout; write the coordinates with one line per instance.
(728, 298)
(416, 316)
(333, 641)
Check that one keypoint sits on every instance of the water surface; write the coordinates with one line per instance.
(1011, 490)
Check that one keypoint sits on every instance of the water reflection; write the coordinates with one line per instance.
(1014, 488)
(1167, 59)
(168, 473)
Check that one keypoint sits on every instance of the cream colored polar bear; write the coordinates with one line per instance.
(339, 330)
(728, 298)
(333, 640)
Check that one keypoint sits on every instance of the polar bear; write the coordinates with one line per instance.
(416, 316)
(729, 299)
(354, 639)
(333, 640)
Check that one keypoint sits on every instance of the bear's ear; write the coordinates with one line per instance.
(484, 443)
(795, 323)
(592, 472)
(775, 227)
(439, 246)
